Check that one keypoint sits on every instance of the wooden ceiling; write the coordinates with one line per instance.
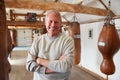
(62, 7)
(43, 5)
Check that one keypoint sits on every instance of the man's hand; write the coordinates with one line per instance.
(44, 62)
(38, 60)
(62, 57)
(47, 71)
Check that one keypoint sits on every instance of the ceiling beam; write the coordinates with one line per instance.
(98, 20)
(29, 24)
(25, 23)
(62, 7)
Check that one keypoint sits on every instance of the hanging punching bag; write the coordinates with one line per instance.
(4, 68)
(108, 44)
(75, 28)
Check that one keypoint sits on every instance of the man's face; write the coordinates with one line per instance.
(53, 24)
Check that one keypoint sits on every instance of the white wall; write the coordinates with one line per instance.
(90, 56)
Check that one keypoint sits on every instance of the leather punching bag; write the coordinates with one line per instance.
(3, 44)
(108, 45)
(75, 27)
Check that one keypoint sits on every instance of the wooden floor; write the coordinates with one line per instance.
(19, 72)
(80, 74)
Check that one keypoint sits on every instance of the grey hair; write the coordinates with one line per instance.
(54, 12)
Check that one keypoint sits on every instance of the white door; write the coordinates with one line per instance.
(24, 37)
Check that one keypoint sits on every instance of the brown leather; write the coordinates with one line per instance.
(75, 28)
(3, 44)
(108, 45)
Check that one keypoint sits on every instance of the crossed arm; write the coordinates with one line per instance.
(45, 62)
(43, 65)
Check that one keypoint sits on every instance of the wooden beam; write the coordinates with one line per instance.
(22, 14)
(24, 23)
(98, 20)
(62, 7)
(106, 6)
(22, 27)
(27, 24)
